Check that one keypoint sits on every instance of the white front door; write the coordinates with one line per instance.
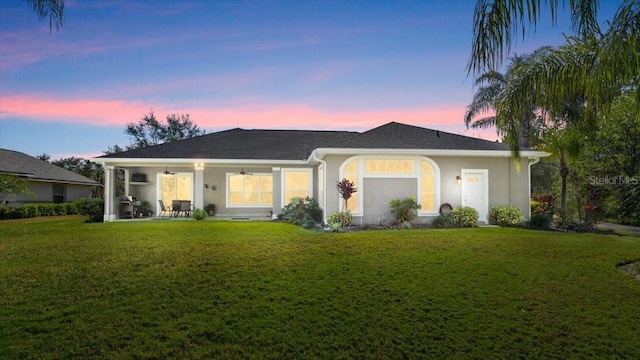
(475, 191)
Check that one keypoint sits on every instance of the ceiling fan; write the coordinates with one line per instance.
(167, 172)
(242, 172)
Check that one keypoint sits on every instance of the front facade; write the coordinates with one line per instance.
(252, 174)
(48, 183)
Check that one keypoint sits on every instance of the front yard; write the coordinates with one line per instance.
(205, 289)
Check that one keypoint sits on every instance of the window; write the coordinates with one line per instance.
(249, 190)
(388, 166)
(296, 183)
(422, 169)
(321, 186)
(350, 173)
(175, 187)
(58, 193)
(427, 187)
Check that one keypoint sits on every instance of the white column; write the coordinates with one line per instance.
(198, 183)
(126, 182)
(109, 191)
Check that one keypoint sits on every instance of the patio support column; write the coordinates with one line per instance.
(126, 182)
(198, 201)
(109, 183)
(277, 191)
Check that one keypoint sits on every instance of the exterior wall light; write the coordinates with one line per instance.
(458, 179)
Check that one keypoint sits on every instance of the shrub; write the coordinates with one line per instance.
(67, 208)
(577, 226)
(539, 221)
(198, 214)
(4, 212)
(335, 227)
(404, 209)
(543, 204)
(33, 210)
(344, 218)
(92, 208)
(405, 225)
(464, 216)
(505, 216)
(305, 212)
(444, 222)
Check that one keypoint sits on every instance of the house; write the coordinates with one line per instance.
(49, 183)
(254, 173)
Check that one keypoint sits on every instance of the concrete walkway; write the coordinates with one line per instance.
(626, 228)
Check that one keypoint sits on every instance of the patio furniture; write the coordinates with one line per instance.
(185, 208)
(163, 210)
(128, 207)
(175, 207)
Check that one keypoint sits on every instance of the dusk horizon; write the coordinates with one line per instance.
(253, 65)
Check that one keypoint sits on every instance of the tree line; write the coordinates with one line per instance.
(147, 131)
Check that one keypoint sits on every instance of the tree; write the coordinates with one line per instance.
(12, 185)
(149, 131)
(495, 90)
(54, 9)
(594, 61)
(346, 188)
(82, 167)
(611, 159)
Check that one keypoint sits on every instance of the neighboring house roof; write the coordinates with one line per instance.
(30, 168)
(243, 144)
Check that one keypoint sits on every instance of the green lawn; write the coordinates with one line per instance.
(205, 289)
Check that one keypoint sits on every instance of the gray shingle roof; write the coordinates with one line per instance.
(298, 144)
(23, 165)
(241, 144)
(400, 136)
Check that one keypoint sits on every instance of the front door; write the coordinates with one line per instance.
(475, 191)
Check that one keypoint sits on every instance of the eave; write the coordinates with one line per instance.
(191, 162)
(320, 153)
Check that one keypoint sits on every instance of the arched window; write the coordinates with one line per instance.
(427, 188)
(350, 173)
(421, 168)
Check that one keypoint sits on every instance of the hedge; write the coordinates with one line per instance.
(93, 208)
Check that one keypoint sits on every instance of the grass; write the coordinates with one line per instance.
(204, 289)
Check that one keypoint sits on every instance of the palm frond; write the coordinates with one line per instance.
(54, 9)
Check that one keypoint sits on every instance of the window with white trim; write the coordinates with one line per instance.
(350, 172)
(254, 190)
(427, 188)
(296, 183)
(388, 166)
(423, 169)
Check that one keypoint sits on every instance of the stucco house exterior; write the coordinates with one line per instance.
(49, 183)
(254, 173)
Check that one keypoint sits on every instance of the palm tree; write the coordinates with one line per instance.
(54, 9)
(598, 63)
(513, 121)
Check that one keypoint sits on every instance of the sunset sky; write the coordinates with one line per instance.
(343, 65)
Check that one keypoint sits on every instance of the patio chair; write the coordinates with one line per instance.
(163, 210)
(185, 208)
(175, 207)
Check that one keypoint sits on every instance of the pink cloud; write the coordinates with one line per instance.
(91, 112)
(253, 116)
(59, 156)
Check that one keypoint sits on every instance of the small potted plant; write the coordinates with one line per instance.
(210, 209)
(145, 209)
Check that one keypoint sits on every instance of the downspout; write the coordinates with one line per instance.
(535, 161)
(324, 175)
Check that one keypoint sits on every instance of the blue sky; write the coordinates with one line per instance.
(344, 65)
